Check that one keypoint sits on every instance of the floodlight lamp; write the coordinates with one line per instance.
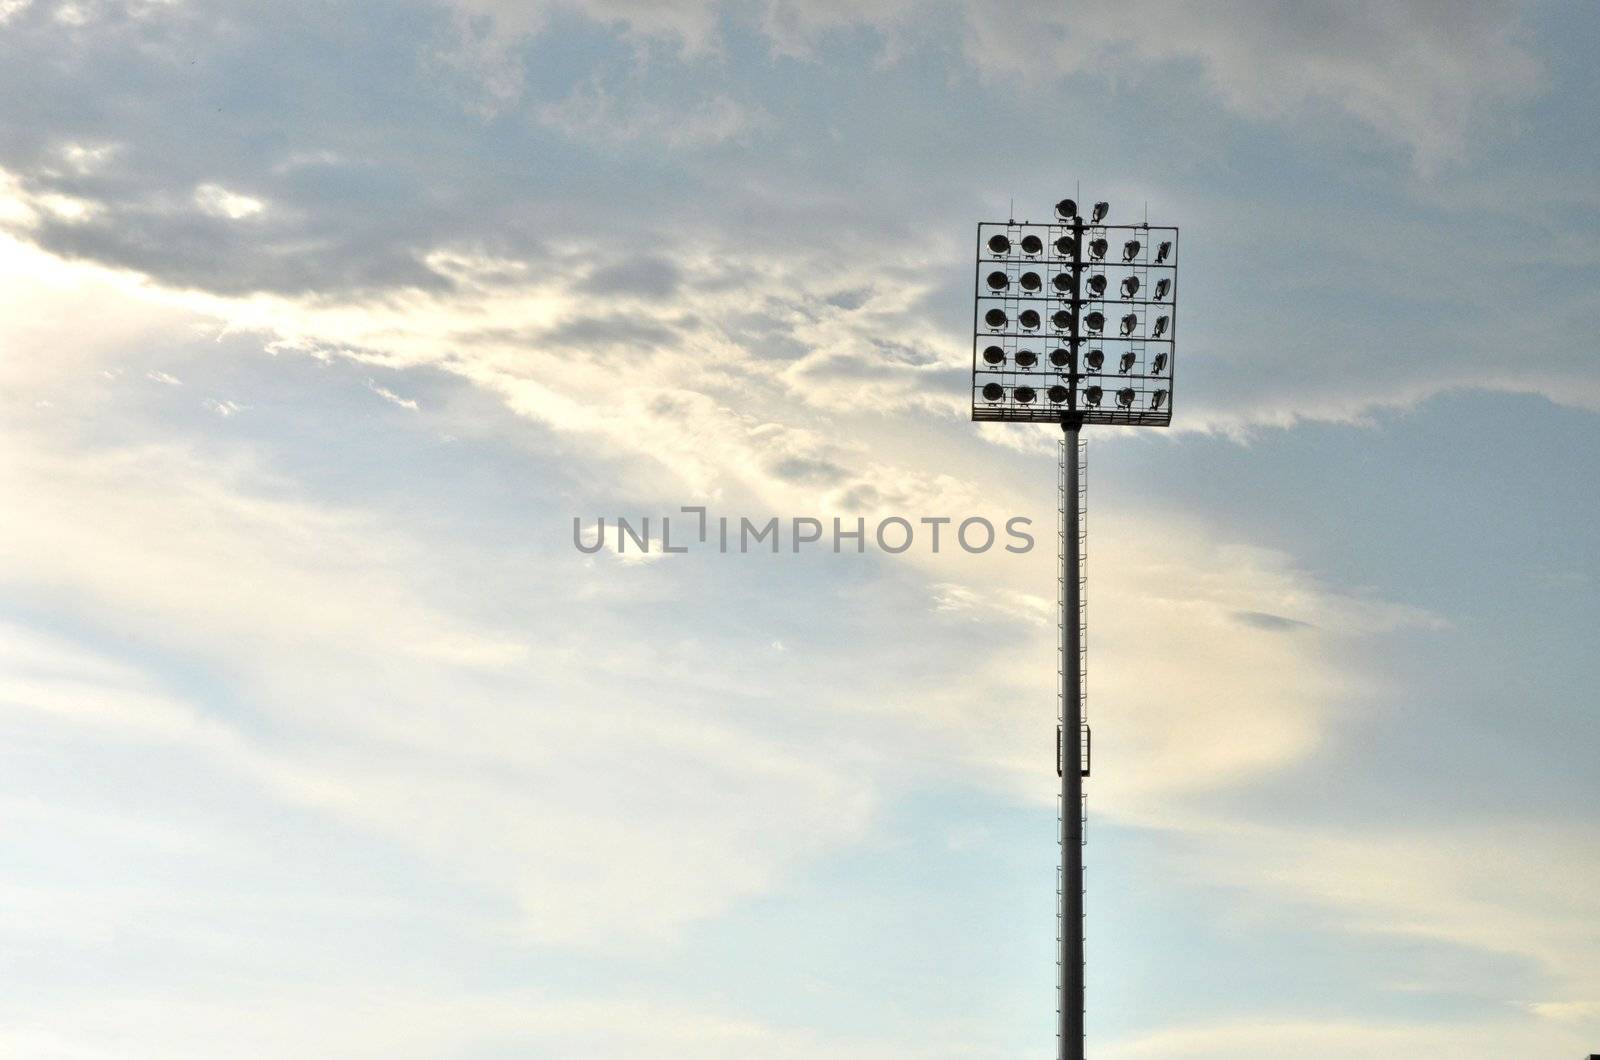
(1029, 319)
(1130, 286)
(1032, 244)
(1061, 320)
(1096, 360)
(1060, 357)
(1129, 323)
(1125, 396)
(1027, 358)
(993, 391)
(1091, 395)
(1057, 394)
(998, 281)
(1100, 211)
(1130, 250)
(1066, 246)
(1023, 394)
(1125, 365)
(1163, 285)
(1163, 250)
(1066, 209)
(994, 355)
(1097, 285)
(1160, 363)
(1158, 399)
(1030, 281)
(1161, 326)
(1095, 321)
(996, 318)
(1065, 282)
(999, 244)
(1097, 249)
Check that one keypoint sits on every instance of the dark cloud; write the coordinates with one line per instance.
(808, 470)
(645, 277)
(1269, 622)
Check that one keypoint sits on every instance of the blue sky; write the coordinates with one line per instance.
(320, 325)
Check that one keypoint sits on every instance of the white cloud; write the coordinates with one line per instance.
(85, 159)
(217, 201)
(391, 397)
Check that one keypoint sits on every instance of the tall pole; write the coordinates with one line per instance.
(1071, 883)
(1006, 389)
(1070, 1001)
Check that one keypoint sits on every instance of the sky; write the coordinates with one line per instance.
(321, 324)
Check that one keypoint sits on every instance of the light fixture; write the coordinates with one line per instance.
(1064, 282)
(1023, 394)
(1163, 285)
(1060, 357)
(1061, 319)
(1096, 360)
(1066, 246)
(1161, 326)
(1125, 365)
(994, 355)
(1092, 395)
(1129, 322)
(1125, 396)
(1066, 209)
(1097, 248)
(999, 244)
(993, 391)
(1030, 281)
(1027, 358)
(1100, 211)
(998, 281)
(1159, 365)
(1158, 399)
(1057, 394)
(1029, 319)
(1097, 285)
(1095, 321)
(1163, 250)
(996, 318)
(1130, 250)
(1130, 286)
(1032, 244)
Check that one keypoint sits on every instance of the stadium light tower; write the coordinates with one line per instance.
(1074, 323)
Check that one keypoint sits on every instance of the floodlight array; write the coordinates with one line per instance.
(1075, 317)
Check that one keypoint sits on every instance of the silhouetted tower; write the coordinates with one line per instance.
(1073, 324)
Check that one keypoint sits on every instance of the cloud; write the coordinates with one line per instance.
(593, 114)
(1418, 75)
(1269, 1038)
(409, 404)
(217, 201)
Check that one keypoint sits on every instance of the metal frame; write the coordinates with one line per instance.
(1075, 377)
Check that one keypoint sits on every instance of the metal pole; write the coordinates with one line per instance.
(1069, 933)
(1071, 882)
